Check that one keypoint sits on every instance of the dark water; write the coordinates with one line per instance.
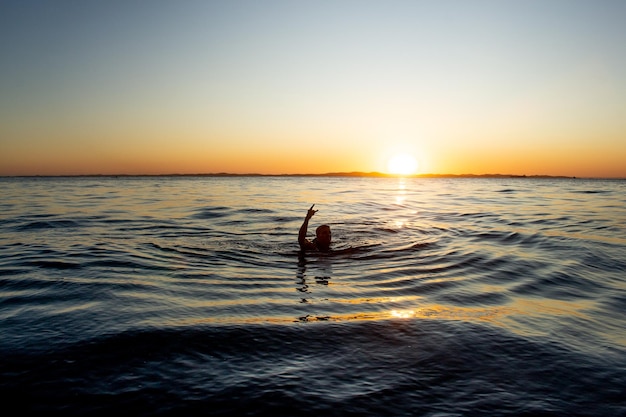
(187, 296)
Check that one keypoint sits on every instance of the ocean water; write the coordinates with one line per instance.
(188, 296)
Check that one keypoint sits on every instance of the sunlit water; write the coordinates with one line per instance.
(187, 295)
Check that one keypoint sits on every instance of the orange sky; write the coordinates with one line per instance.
(287, 87)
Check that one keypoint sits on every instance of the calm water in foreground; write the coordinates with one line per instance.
(187, 296)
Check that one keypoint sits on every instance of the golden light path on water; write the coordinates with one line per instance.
(513, 315)
(500, 316)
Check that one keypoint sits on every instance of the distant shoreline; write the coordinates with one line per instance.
(328, 174)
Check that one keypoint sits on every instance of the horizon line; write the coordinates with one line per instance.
(372, 174)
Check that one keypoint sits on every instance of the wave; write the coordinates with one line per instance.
(49, 224)
(441, 296)
(390, 368)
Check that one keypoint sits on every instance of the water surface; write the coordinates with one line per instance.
(158, 295)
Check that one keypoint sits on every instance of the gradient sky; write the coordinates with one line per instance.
(144, 87)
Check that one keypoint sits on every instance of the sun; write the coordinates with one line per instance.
(402, 164)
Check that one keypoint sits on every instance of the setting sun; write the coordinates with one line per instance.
(402, 164)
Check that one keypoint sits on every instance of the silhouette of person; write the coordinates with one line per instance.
(323, 236)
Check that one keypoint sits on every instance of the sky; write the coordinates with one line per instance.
(529, 87)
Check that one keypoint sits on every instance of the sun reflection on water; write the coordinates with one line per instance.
(400, 198)
(402, 314)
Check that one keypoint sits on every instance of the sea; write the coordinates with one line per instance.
(188, 295)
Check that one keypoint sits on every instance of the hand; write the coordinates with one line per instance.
(311, 212)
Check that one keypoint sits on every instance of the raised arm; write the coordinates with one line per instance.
(302, 240)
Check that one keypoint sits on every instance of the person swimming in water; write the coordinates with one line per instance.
(323, 236)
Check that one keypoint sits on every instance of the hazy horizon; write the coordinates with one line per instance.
(323, 174)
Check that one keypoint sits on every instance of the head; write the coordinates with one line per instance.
(323, 235)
